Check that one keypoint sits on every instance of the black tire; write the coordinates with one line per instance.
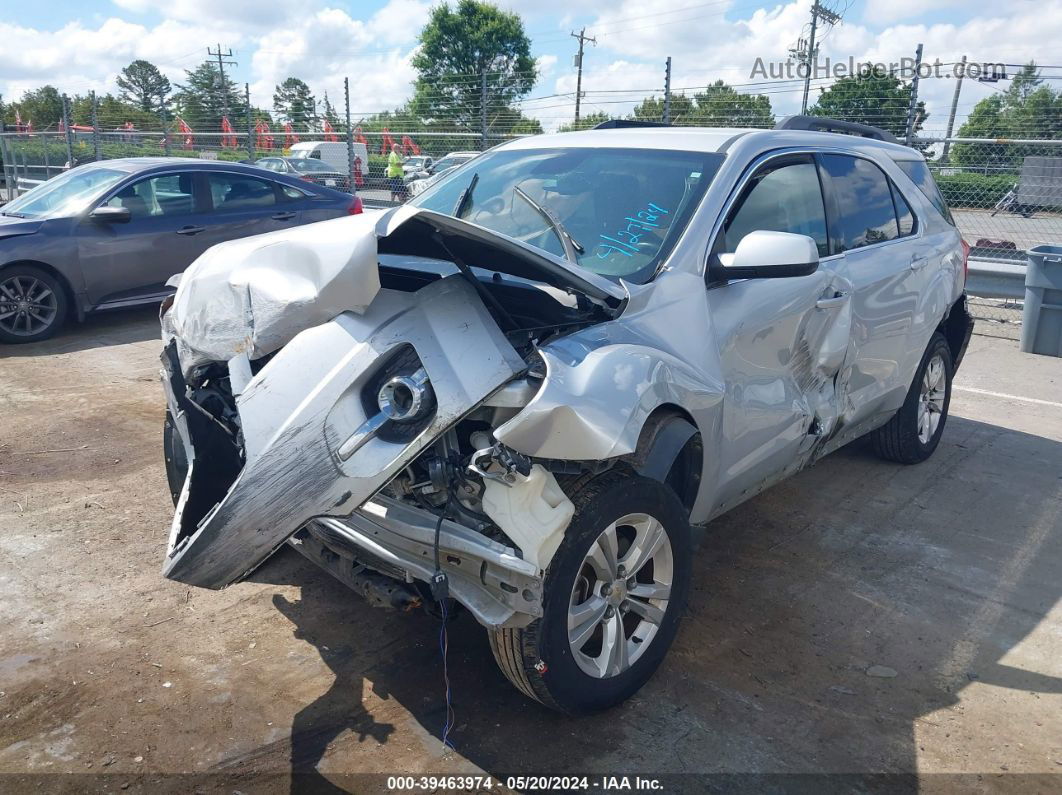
(18, 278)
(538, 659)
(898, 440)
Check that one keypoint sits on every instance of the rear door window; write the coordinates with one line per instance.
(920, 175)
(864, 202)
(784, 196)
(905, 217)
(234, 192)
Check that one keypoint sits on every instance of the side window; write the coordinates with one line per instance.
(164, 195)
(904, 215)
(864, 200)
(231, 192)
(782, 197)
(292, 194)
(920, 175)
(270, 163)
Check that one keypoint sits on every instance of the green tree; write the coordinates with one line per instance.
(871, 97)
(293, 102)
(42, 106)
(204, 97)
(329, 114)
(721, 106)
(143, 85)
(652, 109)
(457, 47)
(587, 122)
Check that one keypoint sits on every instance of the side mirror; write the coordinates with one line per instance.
(111, 215)
(769, 255)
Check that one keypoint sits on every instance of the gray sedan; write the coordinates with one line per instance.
(109, 235)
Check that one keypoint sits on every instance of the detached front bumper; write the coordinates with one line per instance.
(299, 414)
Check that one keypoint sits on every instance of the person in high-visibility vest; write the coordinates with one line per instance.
(394, 173)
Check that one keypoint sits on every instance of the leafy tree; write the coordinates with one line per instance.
(143, 85)
(587, 122)
(721, 106)
(652, 109)
(42, 106)
(457, 47)
(870, 97)
(202, 100)
(293, 102)
(329, 114)
(1027, 109)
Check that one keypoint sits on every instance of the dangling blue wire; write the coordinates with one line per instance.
(443, 646)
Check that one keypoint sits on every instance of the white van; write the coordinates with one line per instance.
(334, 153)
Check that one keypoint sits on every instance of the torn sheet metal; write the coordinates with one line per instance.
(307, 401)
(252, 296)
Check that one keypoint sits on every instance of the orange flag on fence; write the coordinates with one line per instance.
(290, 138)
(186, 131)
(228, 139)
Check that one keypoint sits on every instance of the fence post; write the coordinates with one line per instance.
(912, 110)
(483, 109)
(5, 154)
(47, 165)
(250, 122)
(954, 107)
(69, 132)
(667, 91)
(95, 127)
(165, 129)
(350, 140)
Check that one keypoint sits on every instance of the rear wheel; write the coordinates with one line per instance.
(614, 594)
(912, 435)
(32, 304)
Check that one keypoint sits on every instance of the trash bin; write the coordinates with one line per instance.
(1041, 320)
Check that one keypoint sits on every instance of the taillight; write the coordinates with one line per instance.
(965, 260)
(356, 207)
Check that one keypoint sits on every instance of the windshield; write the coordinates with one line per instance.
(306, 164)
(622, 208)
(66, 194)
(416, 162)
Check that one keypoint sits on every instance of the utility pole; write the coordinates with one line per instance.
(95, 128)
(667, 91)
(954, 107)
(583, 38)
(69, 134)
(223, 60)
(350, 139)
(913, 109)
(808, 52)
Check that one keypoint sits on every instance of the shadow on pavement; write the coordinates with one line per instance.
(933, 572)
(113, 327)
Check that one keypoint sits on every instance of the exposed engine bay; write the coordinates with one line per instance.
(367, 439)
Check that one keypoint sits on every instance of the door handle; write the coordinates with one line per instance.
(282, 216)
(191, 230)
(918, 262)
(830, 303)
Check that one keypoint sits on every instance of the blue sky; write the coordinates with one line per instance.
(79, 46)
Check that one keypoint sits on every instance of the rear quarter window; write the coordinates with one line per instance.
(920, 175)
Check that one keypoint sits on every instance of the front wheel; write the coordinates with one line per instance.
(912, 435)
(32, 304)
(613, 597)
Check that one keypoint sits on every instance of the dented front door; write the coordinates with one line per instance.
(315, 441)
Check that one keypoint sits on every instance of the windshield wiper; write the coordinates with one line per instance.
(466, 196)
(570, 244)
(14, 215)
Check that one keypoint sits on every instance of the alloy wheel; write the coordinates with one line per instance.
(931, 399)
(28, 306)
(620, 595)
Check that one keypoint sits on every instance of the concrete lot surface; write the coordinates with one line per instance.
(947, 575)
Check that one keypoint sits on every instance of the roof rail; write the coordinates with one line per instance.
(619, 124)
(822, 124)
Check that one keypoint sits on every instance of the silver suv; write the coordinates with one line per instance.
(516, 394)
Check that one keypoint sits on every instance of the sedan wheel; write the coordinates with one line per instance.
(32, 304)
(931, 399)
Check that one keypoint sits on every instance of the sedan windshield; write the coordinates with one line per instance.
(616, 212)
(306, 164)
(66, 194)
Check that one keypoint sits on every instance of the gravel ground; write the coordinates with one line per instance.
(860, 618)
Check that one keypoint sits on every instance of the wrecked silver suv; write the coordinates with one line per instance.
(519, 392)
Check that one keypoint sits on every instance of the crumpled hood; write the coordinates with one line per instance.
(255, 294)
(252, 296)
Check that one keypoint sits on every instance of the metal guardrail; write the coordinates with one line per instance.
(996, 279)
